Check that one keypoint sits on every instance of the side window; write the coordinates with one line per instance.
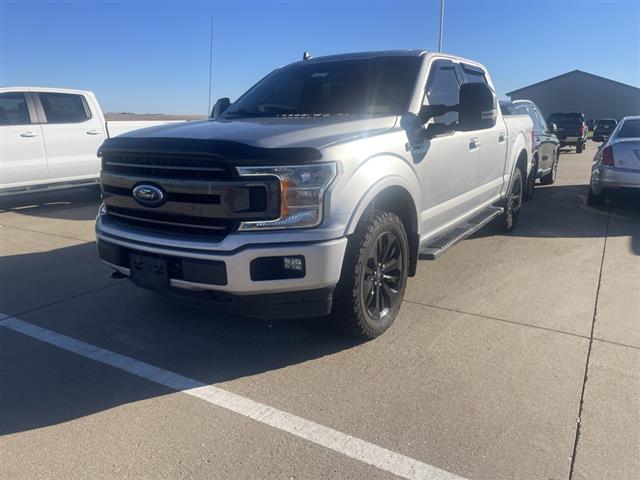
(443, 88)
(13, 109)
(473, 74)
(541, 122)
(64, 107)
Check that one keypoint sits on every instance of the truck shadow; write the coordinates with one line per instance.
(43, 385)
(561, 211)
(74, 204)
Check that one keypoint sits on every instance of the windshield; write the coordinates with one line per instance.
(630, 129)
(376, 86)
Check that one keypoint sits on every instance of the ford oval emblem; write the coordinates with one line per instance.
(148, 195)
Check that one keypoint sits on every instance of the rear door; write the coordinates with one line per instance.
(72, 134)
(22, 156)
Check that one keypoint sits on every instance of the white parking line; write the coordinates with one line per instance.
(355, 448)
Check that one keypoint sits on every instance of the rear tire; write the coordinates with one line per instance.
(550, 178)
(513, 202)
(374, 276)
(595, 200)
(579, 147)
(531, 182)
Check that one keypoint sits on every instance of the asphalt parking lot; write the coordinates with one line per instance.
(514, 356)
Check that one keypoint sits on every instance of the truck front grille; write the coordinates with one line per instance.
(166, 166)
(212, 228)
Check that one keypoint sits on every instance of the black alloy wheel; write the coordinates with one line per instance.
(383, 274)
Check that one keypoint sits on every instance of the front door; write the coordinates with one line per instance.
(22, 156)
(447, 170)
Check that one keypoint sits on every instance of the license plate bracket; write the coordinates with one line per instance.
(149, 272)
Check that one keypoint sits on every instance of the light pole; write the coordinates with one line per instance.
(210, 63)
(441, 25)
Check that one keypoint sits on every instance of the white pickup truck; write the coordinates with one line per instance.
(317, 191)
(49, 138)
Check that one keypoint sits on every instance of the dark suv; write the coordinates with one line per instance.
(572, 129)
(603, 129)
(545, 145)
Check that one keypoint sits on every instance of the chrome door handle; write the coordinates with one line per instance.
(28, 134)
(474, 143)
(94, 132)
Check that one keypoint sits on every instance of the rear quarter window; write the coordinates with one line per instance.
(64, 107)
(629, 129)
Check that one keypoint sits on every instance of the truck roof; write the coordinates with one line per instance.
(23, 88)
(386, 53)
(365, 55)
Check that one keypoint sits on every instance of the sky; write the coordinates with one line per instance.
(153, 56)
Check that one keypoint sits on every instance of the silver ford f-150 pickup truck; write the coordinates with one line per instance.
(318, 190)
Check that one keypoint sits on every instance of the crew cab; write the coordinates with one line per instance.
(50, 138)
(318, 190)
(571, 129)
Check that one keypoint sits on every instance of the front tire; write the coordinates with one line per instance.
(374, 276)
(513, 203)
(579, 147)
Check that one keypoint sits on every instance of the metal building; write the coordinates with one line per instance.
(577, 91)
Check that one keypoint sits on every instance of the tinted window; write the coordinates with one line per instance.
(629, 129)
(562, 119)
(607, 123)
(13, 109)
(443, 88)
(376, 86)
(64, 107)
(473, 74)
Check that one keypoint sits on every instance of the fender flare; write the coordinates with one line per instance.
(374, 190)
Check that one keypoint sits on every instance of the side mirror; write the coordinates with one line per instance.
(220, 106)
(553, 128)
(477, 107)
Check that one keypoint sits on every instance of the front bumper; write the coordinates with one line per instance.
(612, 178)
(323, 263)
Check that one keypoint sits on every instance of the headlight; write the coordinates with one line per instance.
(302, 190)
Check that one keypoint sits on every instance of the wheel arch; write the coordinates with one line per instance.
(391, 195)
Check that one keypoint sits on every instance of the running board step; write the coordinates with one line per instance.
(435, 247)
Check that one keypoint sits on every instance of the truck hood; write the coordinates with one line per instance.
(278, 132)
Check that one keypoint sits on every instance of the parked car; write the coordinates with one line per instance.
(50, 138)
(571, 129)
(318, 189)
(616, 165)
(603, 129)
(545, 145)
(591, 123)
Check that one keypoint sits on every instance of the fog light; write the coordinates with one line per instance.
(293, 263)
(277, 268)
